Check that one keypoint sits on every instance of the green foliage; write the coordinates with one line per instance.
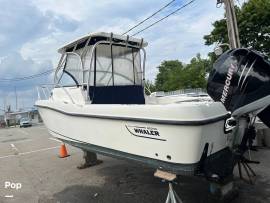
(169, 76)
(196, 72)
(254, 26)
(218, 34)
(174, 75)
(254, 23)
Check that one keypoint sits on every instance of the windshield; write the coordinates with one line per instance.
(111, 66)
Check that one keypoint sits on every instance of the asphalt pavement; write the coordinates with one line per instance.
(31, 171)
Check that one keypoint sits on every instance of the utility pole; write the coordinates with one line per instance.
(5, 102)
(16, 98)
(232, 27)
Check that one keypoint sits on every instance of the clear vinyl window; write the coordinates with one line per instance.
(117, 65)
(111, 65)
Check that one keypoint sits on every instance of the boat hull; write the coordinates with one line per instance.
(161, 144)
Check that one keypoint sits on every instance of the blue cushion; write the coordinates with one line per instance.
(129, 94)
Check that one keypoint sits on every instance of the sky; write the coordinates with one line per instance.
(31, 31)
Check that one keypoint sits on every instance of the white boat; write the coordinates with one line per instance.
(98, 104)
(161, 98)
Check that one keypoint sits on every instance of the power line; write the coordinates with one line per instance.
(149, 17)
(27, 77)
(51, 70)
(21, 86)
(175, 11)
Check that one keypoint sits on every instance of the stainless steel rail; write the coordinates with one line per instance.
(46, 92)
(84, 71)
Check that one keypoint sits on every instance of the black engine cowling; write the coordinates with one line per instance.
(240, 79)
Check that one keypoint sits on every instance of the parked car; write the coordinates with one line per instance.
(25, 122)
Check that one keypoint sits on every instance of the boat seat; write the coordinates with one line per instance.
(128, 94)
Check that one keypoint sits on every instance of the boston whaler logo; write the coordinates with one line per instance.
(145, 132)
(227, 83)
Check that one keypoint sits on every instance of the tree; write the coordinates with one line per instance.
(254, 26)
(174, 75)
(169, 75)
(196, 72)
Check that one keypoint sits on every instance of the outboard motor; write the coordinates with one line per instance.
(240, 79)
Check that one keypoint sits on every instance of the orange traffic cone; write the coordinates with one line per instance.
(63, 151)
